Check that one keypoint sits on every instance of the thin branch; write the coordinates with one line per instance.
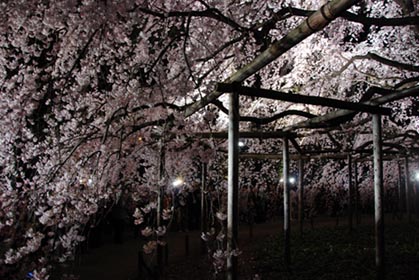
(210, 70)
(407, 83)
(185, 56)
(159, 122)
(80, 56)
(264, 121)
(208, 13)
(116, 114)
(402, 21)
(160, 104)
(221, 48)
(163, 51)
(62, 163)
(373, 56)
(389, 62)
(333, 140)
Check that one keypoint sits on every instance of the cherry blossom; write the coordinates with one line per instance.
(92, 91)
(147, 232)
(161, 231)
(149, 247)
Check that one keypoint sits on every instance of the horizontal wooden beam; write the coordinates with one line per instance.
(247, 134)
(292, 156)
(337, 156)
(302, 99)
(325, 119)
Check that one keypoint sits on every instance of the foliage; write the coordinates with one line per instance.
(91, 90)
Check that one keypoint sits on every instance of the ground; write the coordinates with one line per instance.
(323, 252)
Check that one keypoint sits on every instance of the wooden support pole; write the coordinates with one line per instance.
(408, 189)
(301, 194)
(350, 193)
(287, 223)
(203, 204)
(378, 198)
(233, 185)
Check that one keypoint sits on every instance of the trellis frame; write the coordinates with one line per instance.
(289, 133)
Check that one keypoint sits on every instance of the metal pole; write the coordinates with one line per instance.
(301, 194)
(417, 198)
(357, 198)
(407, 188)
(203, 204)
(401, 191)
(160, 203)
(350, 193)
(233, 185)
(378, 197)
(287, 224)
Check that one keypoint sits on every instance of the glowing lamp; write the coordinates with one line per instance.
(178, 182)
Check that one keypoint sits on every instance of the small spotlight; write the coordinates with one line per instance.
(417, 176)
(292, 180)
(241, 144)
(178, 182)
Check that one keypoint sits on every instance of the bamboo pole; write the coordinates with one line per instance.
(315, 22)
(233, 185)
(378, 198)
(287, 224)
